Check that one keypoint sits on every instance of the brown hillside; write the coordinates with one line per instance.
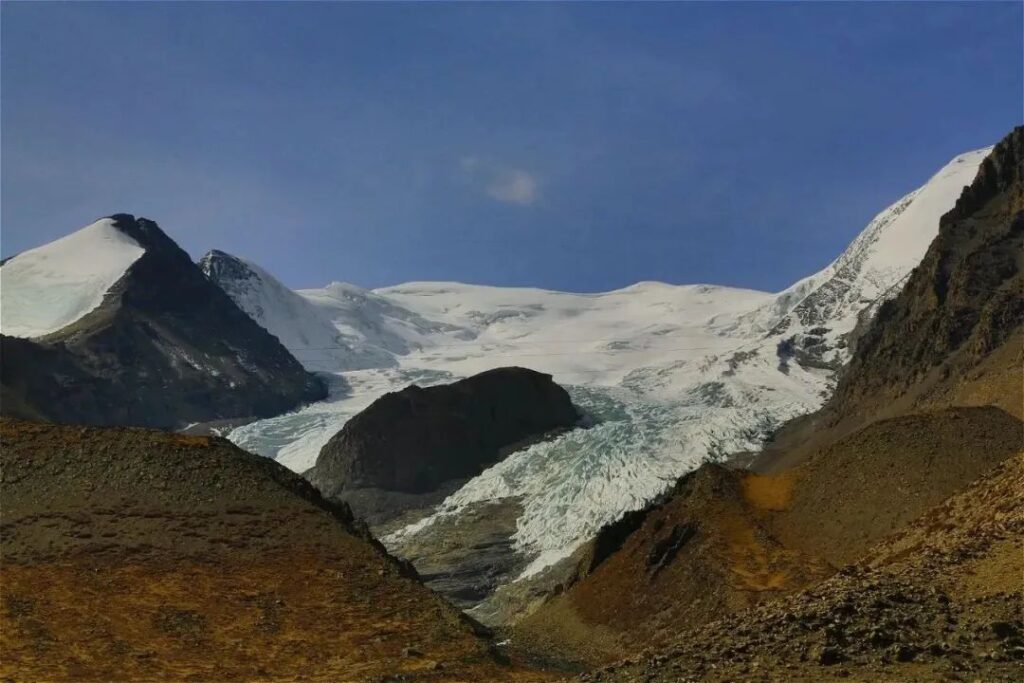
(138, 555)
(941, 601)
(852, 493)
(705, 552)
(726, 540)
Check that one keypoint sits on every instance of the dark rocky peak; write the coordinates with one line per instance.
(215, 258)
(219, 265)
(960, 304)
(148, 234)
(417, 439)
(1000, 172)
(164, 276)
(165, 348)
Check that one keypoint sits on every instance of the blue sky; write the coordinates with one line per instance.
(571, 146)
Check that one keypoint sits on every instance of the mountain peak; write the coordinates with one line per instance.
(52, 286)
(960, 303)
(122, 296)
(218, 254)
(222, 268)
(147, 233)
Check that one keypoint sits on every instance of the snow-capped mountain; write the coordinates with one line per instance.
(339, 327)
(669, 375)
(114, 324)
(873, 268)
(379, 323)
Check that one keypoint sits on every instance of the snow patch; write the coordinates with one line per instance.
(48, 288)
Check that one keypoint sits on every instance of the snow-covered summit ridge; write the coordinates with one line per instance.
(299, 325)
(774, 360)
(871, 269)
(47, 288)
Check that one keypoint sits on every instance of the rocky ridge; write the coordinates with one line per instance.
(964, 300)
(939, 601)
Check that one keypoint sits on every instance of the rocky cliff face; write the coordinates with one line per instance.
(413, 441)
(962, 302)
(165, 348)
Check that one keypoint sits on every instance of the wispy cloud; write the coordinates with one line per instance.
(514, 186)
(502, 183)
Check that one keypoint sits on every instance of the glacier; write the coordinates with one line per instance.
(668, 376)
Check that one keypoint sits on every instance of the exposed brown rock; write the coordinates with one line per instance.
(852, 493)
(707, 550)
(942, 600)
(964, 301)
(140, 555)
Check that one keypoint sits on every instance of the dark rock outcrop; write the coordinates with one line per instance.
(416, 439)
(964, 300)
(165, 348)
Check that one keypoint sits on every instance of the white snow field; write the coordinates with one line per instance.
(668, 376)
(45, 289)
(299, 324)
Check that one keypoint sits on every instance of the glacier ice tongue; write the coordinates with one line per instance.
(671, 375)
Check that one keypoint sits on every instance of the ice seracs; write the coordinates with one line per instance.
(47, 288)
